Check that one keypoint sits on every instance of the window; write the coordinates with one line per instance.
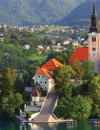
(93, 49)
(93, 39)
(41, 82)
(36, 82)
(43, 76)
(39, 76)
(45, 82)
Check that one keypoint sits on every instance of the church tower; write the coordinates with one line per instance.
(94, 40)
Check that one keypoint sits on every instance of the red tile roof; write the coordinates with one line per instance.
(44, 71)
(52, 64)
(36, 93)
(80, 54)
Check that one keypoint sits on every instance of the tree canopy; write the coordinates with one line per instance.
(9, 100)
(62, 77)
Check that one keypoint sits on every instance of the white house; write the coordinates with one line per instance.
(44, 75)
(36, 95)
(44, 79)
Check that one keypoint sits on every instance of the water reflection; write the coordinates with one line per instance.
(14, 125)
(47, 126)
(62, 126)
(38, 126)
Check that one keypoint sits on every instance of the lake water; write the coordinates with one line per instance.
(14, 125)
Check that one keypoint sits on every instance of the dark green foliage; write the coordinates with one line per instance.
(8, 80)
(44, 93)
(62, 77)
(77, 107)
(9, 100)
(88, 66)
(74, 101)
(78, 68)
(94, 93)
(19, 85)
(26, 96)
(9, 104)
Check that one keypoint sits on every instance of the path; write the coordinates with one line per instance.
(46, 113)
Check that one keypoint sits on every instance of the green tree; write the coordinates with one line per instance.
(26, 78)
(74, 107)
(88, 67)
(77, 67)
(10, 103)
(62, 77)
(94, 93)
(80, 107)
(8, 79)
(9, 100)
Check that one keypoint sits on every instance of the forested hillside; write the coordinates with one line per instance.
(81, 15)
(35, 12)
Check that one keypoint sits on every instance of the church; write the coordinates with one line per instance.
(92, 52)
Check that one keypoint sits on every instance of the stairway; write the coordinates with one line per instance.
(47, 109)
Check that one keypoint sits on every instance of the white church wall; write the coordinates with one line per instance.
(94, 50)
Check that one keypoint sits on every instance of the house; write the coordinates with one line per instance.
(37, 98)
(48, 48)
(2, 36)
(36, 95)
(26, 46)
(66, 42)
(44, 75)
(40, 49)
(43, 79)
(75, 43)
(51, 65)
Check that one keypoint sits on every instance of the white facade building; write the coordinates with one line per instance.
(44, 75)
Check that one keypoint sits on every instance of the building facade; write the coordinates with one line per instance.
(94, 41)
(44, 75)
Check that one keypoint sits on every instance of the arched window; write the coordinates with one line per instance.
(93, 39)
(93, 49)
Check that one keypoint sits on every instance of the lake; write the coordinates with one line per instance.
(14, 125)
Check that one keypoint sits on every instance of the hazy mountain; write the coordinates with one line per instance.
(81, 14)
(29, 12)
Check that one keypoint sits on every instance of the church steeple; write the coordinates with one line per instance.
(94, 8)
(94, 19)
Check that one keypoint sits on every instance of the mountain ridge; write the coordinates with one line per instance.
(81, 15)
(35, 12)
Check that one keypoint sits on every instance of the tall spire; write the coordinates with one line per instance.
(94, 7)
(94, 19)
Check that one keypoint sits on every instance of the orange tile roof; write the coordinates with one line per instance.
(80, 54)
(36, 93)
(52, 64)
(44, 71)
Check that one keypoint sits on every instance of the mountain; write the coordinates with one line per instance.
(35, 12)
(81, 14)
